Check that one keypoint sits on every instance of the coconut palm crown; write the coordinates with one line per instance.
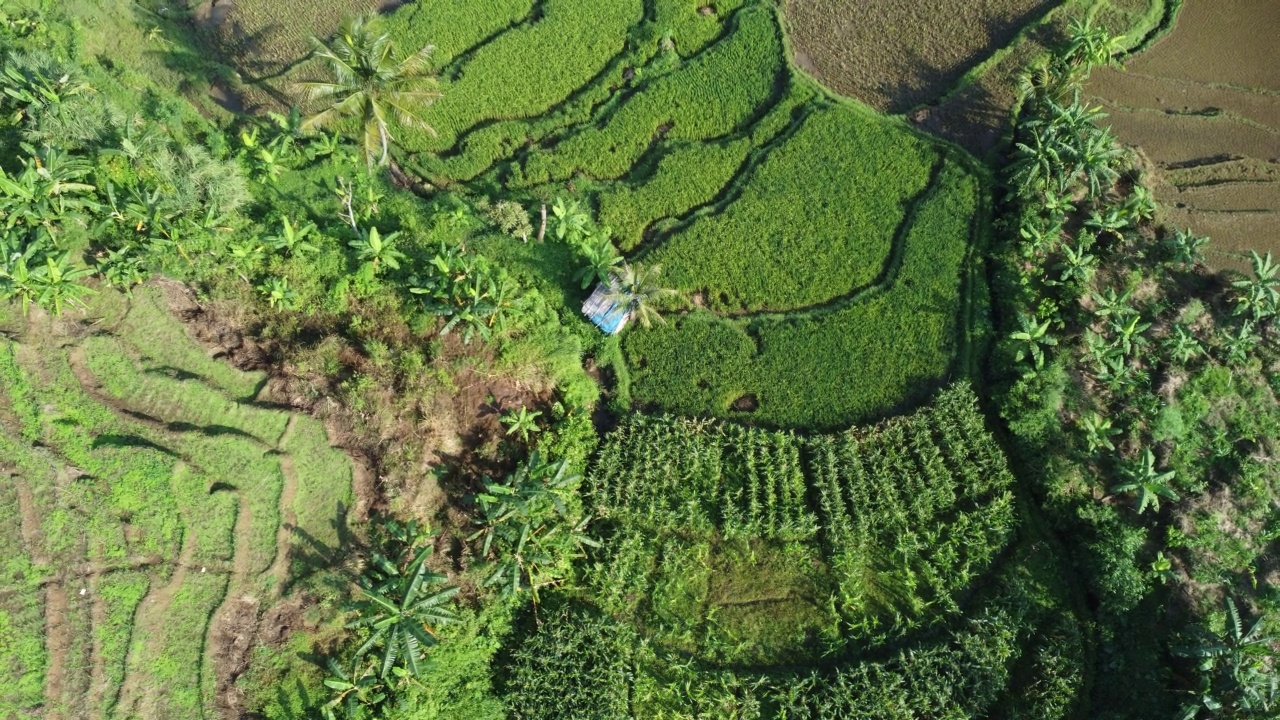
(369, 82)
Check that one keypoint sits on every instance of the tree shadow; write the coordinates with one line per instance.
(113, 440)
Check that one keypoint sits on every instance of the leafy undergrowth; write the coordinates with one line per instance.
(161, 509)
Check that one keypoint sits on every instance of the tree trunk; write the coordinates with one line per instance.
(542, 230)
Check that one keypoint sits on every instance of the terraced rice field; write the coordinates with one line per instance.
(698, 147)
(164, 515)
(1203, 104)
(689, 133)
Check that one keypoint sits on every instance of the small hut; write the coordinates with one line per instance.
(608, 315)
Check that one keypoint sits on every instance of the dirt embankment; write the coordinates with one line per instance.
(1203, 104)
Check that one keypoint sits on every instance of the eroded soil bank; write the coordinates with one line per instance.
(1203, 104)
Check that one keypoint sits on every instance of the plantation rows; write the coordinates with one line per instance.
(150, 499)
(908, 513)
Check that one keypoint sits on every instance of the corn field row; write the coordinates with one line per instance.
(908, 513)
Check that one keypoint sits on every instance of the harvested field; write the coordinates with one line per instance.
(897, 54)
(1203, 104)
(162, 511)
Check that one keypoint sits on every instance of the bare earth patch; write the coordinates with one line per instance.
(1203, 104)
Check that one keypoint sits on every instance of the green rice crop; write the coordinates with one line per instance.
(709, 96)
(835, 366)
(530, 69)
(815, 221)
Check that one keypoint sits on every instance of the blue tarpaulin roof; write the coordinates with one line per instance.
(608, 315)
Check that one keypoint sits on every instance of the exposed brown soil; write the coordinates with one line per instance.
(1203, 104)
(897, 54)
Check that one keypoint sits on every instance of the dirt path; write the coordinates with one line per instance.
(288, 518)
(98, 683)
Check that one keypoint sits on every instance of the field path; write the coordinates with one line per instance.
(136, 698)
(57, 636)
(279, 569)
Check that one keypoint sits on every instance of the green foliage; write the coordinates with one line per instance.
(573, 664)
(370, 82)
(532, 526)
(1237, 670)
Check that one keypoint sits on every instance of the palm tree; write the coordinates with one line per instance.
(1091, 46)
(636, 288)
(1151, 485)
(370, 83)
(402, 613)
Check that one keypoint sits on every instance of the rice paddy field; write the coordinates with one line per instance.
(694, 139)
(161, 518)
(1203, 105)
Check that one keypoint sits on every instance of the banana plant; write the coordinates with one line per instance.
(402, 613)
(571, 220)
(357, 692)
(278, 293)
(1182, 344)
(1237, 670)
(1127, 329)
(1109, 304)
(58, 285)
(1033, 338)
(531, 526)
(523, 422)
(1098, 432)
(1185, 247)
(377, 250)
(1077, 265)
(603, 259)
(1258, 297)
(1149, 484)
(292, 239)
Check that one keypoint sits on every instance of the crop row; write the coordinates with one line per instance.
(663, 473)
(905, 523)
(903, 527)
